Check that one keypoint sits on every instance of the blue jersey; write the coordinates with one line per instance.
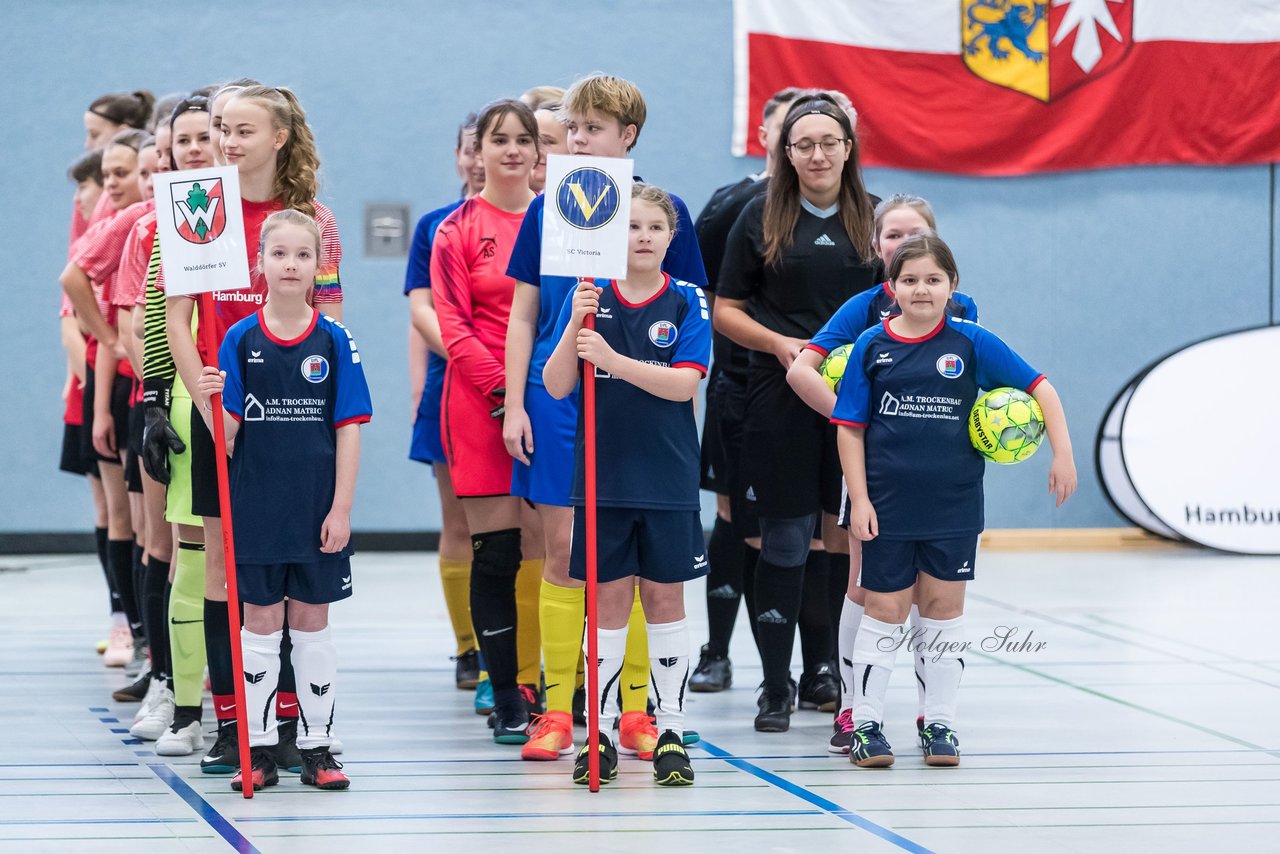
(648, 447)
(418, 275)
(683, 262)
(871, 308)
(914, 396)
(290, 397)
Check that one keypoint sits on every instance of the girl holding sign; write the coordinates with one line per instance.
(472, 295)
(603, 116)
(264, 133)
(649, 351)
(293, 478)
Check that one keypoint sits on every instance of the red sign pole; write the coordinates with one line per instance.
(209, 333)
(593, 624)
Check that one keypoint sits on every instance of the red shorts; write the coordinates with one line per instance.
(478, 460)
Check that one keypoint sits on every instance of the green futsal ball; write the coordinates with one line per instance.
(1006, 425)
(833, 366)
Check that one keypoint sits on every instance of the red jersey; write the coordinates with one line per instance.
(131, 278)
(473, 291)
(231, 307)
(98, 254)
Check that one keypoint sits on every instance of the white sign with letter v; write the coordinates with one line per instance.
(587, 216)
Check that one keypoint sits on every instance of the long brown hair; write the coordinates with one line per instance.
(297, 162)
(782, 201)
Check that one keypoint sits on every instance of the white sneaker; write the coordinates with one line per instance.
(181, 742)
(156, 721)
(154, 686)
(335, 745)
(119, 647)
(137, 662)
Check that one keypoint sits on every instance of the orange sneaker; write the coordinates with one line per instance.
(550, 737)
(637, 736)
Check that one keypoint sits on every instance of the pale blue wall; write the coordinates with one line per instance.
(1090, 275)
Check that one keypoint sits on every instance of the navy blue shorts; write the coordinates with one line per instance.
(891, 565)
(548, 479)
(314, 583)
(665, 546)
(426, 446)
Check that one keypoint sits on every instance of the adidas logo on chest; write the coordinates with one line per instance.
(823, 240)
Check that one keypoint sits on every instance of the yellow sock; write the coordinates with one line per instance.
(455, 577)
(560, 609)
(528, 635)
(635, 662)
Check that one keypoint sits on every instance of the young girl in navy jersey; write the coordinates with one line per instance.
(915, 485)
(897, 218)
(603, 116)
(649, 351)
(295, 396)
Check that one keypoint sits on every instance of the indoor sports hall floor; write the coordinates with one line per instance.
(1147, 721)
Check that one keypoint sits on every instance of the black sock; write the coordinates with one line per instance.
(113, 595)
(750, 558)
(287, 685)
(724, 586)
(495, 560)
(120, 559)
(837, 589)
(815, 613)
(778, 591)
(217, 647)
(155, 614)
(139, 591)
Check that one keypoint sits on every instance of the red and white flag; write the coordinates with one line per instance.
(1005, 87)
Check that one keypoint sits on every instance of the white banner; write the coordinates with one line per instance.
(200, 226)
(1198, 439)
(586, 217)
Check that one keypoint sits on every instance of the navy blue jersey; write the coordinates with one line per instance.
(289, 397)
(683, 262)
(647, 447)
(871, 308)
(417, 274)
(913, 396)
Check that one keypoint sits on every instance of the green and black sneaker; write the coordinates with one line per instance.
(670, 761)
(940, 745)
(608, 762)
(868, 747)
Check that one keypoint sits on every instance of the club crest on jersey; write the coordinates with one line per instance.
(1041, 48)
(950, 366)
(588, 198)
(315, 369)
(663, 333)
(198, 210)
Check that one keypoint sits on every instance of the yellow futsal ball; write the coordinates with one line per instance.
(833, 366)
(1006, 425)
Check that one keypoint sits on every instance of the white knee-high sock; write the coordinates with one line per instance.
(943, 669)
(669, 672)
(315, 667)
(261, 659)
(850, 619)
(611, 646)
(874, 651)
(916, 630)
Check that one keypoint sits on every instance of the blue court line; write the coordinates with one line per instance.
(204, 809)
(8, 822)
(822, 803)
